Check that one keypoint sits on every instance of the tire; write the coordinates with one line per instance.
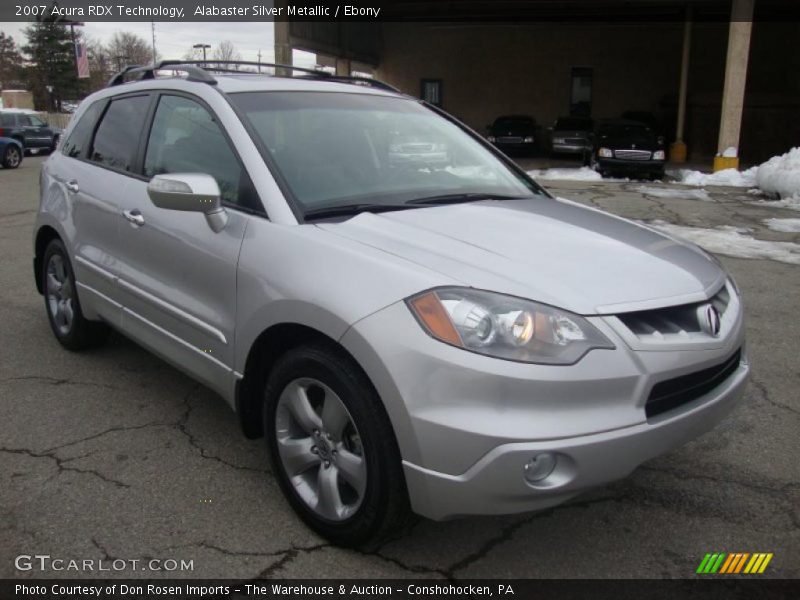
(12, 157)
(357, 462)
(71, 328)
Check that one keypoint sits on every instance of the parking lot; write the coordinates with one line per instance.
(113, 454)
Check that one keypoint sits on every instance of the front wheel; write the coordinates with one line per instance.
(12, 157)
(332, 446)
(70, 327)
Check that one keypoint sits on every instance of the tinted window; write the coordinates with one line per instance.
(505, 122)
(7, 120)
(117, 136)
(79, 137)
(36, 121)
(185, 138)
(23, 120)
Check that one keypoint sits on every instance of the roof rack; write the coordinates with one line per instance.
(200, 71)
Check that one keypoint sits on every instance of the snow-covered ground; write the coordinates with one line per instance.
(783, 225)
(733, 241)
(730, 177)
(793, 203)
(575, 174)
(671, 192)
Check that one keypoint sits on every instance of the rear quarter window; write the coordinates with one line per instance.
(117, 137)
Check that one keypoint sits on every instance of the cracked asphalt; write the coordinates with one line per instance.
(114, 454)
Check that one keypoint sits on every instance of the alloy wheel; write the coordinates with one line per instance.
(59, 294)
(320, 449)
(12, 157)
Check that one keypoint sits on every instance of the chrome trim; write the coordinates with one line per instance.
(161, 330)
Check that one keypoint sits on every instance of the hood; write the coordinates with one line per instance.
(644, 141)
(552, 251)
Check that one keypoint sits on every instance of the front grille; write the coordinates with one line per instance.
(672, 393)
(633, 154)
(510, 139)
(678, 320)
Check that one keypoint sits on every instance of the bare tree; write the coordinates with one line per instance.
(127, 48)
(226, 51)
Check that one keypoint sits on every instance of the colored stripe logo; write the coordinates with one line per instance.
(734, 563)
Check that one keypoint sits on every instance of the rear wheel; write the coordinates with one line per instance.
(12, 157)
(71, 329)
(332, 446)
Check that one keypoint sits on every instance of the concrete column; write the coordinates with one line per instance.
(343, 67)
(735, 79)
(678, 151)
(283, 47)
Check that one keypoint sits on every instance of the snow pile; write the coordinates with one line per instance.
(781, 175)
(582, 174)
(783, 225)
(733, 241)
(676, 193)
(730, 177)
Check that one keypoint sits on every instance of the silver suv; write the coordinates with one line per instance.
(442, 338)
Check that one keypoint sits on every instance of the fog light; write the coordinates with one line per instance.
(539, 467)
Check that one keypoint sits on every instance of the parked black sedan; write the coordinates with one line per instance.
(514, 134)
(627, 147)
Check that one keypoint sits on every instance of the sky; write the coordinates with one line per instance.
(173, 40)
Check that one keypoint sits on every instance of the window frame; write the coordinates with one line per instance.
(82, 156)
(144, 140)
(135, 171)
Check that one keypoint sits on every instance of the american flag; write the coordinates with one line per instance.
(82, 60)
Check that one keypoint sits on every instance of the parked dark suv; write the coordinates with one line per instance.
(28, 129)
(626, 147)
(514, 133)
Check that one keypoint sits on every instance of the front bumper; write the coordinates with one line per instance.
(569, 148)
(630, 166)
(467, 424)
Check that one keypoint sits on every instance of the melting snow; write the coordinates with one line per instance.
(780, 175)
(784, 225)
(581, 174)
(678, 193)
(730, 177)
(733, 241)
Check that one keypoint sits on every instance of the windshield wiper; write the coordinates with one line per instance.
(460, 198)
(351, 209)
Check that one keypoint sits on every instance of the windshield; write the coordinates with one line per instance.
(625, 130)
(337, 149)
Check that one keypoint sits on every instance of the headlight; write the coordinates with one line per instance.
(505, 327)
(528, 139)
(605, 152)
(491, 138)
(658, 155)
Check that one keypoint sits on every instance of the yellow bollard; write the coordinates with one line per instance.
(677, 152)
(725, 162)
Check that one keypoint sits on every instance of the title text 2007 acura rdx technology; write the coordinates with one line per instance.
(446, 339)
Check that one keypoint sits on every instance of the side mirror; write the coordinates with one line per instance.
(191, 192)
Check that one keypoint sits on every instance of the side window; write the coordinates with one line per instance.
(185, 138)
(79, 136)
(24, 120)
(36, 121)
(117, 137)
(7, 120)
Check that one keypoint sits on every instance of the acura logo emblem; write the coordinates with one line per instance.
(708, 316)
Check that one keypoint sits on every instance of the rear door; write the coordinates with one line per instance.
(100, 167)
(35, 132)
(178, 277)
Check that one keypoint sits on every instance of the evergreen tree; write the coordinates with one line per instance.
(10, 62)
(51, 72)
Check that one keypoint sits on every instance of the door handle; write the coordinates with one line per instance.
(134, 216)
(72, 186)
